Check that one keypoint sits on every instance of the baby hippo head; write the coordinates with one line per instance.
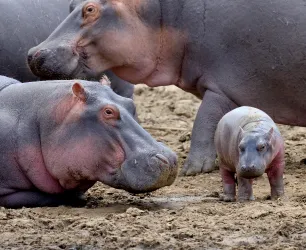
(255, 153)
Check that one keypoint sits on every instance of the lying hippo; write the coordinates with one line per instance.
(59, 137)
(249, 144)
(229, 53)
(19, 34)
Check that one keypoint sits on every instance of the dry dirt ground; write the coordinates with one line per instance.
(186, 215)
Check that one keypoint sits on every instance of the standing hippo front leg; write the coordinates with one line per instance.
(245, 189)
(202, 153)
(275, 174)
(229, 185)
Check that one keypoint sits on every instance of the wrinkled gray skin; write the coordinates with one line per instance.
(228, 53)
(26, 23)
(249, 144)
(58, 138)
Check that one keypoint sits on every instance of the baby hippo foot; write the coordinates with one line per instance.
(227, 198)
(246, 198)
(279, 196)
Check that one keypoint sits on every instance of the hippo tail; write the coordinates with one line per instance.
(6, 81)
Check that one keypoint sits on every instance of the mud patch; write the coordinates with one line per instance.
(186, 215)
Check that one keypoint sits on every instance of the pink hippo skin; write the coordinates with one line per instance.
(248, 144)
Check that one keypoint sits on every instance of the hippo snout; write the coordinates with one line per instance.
(44, 62)
(148, 172)
(36, 60)
(250, 171)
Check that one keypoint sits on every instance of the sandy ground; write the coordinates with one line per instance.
(186, 215)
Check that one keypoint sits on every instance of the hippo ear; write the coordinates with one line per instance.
(79, 91)
(241, 130)
(105, 81)
(269, 134)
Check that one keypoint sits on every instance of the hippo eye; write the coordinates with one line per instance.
(91, 12)
(110, 112)
(261, 148)
(241, 149)
(90, 9)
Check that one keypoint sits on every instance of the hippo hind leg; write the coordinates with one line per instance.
(229, 185)
(39, 199)
(245, 189)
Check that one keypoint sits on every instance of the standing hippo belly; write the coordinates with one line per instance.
(248, 144)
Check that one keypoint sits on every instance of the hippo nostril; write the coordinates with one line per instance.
(162, 159)
(30, 58)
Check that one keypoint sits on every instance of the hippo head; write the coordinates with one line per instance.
(94, 136)
(121, 35)
(255, 153)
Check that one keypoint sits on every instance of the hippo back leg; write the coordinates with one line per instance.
(39, 199)
(229, 185)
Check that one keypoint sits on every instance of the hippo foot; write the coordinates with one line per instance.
(281, 197)
(194, 167)
(245, 199)
(227, 198)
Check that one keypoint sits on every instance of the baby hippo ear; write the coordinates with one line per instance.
(105, 81)
(79, 91)
(241, 130)
(269, 134)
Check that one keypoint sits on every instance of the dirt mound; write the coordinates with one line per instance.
(186, 215)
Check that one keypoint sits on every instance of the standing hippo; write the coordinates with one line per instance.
(26, 23)
(59, 137)
(228, 53)
(249, 144)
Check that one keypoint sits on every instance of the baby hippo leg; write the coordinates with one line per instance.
(229, 186)
(275, 174)
(245, 190)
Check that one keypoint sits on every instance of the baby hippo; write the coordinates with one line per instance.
(249, 143)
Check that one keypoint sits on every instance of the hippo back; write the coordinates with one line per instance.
(6, 81)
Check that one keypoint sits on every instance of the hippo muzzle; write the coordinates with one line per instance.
(44, 62)
(145, 172)
(250, 171)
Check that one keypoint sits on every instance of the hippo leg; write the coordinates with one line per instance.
(40, 199)
(245, 190)
(202, 153)
(229, 185)
(275, 174)
(120, 86)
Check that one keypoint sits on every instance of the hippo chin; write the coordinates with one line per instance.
(228, 53)
(249, 144)
(59, 137)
